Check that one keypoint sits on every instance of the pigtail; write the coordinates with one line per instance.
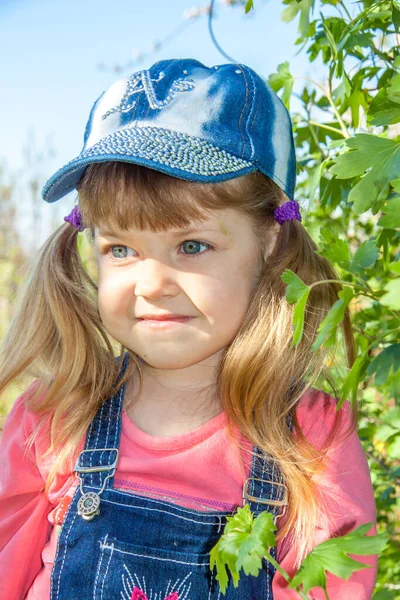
(263, 379)
(56, 336)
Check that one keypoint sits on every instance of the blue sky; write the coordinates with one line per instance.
(51, 51)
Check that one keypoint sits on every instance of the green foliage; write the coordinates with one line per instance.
(247, 541)
(347, 139)
(332, 556)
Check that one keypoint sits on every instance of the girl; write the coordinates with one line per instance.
(167, 394)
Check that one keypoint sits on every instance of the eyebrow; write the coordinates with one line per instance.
(179, 233)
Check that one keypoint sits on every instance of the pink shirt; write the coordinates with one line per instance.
(203, 469)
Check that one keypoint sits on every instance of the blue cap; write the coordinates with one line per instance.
(198, 123)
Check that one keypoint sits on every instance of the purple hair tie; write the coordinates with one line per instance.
(75, 218)
(289, 211)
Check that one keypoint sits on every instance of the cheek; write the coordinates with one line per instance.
(112, 294)
(224, 298)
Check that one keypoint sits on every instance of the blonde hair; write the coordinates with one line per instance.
(58, 337)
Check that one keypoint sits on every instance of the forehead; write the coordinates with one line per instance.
(222, 221)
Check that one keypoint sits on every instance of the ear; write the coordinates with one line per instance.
(270, 240)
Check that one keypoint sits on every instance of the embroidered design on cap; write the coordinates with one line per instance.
(142, 82)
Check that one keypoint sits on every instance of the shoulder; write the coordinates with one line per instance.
(21, 424)
(317, 415)
(21, 420)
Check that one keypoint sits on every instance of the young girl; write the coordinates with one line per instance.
(168, 393)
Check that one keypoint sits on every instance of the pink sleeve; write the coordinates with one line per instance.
(346, 493)
(24, 528)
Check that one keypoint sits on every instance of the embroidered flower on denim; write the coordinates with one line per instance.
(139, 595)
(140, 589)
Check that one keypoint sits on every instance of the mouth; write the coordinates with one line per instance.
(157, 323)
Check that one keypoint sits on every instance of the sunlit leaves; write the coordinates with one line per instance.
(249, 6)
(282, 79)
(246, 541)
(328, 328)
(332, 556)
(378, 157)
(304, 7)
(242, 546)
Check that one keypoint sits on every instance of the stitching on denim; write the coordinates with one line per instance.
(264, 465)
(241, 114)
(118, 414)
(98, 569)
(268, 585)
(171, 514)
(273, 493)
(88, 440)
(148, 556)
(124, 583)
(248, 118)
(255, 114)
(180, 585)
(94, 445)
(181, 509)
(211, 582)
(65, 552)
(105, 574)
(108, 418)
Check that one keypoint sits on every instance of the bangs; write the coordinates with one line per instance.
(125, 195)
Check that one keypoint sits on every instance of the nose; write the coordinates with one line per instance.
(155, 279)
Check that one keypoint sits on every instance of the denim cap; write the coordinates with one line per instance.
(204, 124)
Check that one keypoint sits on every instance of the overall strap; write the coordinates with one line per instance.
(265, 489)
(96, 464)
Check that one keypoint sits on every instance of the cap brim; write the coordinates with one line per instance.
(174, 153)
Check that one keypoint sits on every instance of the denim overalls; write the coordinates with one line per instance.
(139, 548)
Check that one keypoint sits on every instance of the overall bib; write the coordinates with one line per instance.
(140, 548)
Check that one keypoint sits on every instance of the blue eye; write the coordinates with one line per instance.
(118, 253)
(192, 246)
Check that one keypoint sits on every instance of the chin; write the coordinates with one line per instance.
(171, 361)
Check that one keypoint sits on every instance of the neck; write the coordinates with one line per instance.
(173, 402)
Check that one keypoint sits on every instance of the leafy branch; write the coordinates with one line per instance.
(247, 541)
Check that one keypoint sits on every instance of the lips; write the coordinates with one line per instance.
(162, 317)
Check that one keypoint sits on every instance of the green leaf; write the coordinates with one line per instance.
(328, 327)
(249, 6)
(294, 7)
(343, 90)
(396, 16)
(382, 364)
(394, 267)
(366, 256)
(393, 91)
(295, 286)
(355, 375)
(334, 248)
(282, 79)
(392, 297)
(298, 318)
(243, 544)
(395, 183)
(378, 157)
(218, 563)
(332, 556)
(382, 110)
(356, 100)
(391, 217)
